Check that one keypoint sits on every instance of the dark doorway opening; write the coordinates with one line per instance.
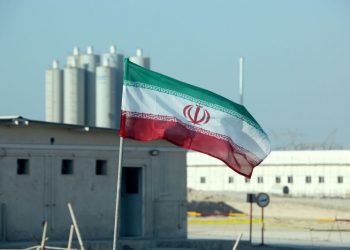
(131, 223)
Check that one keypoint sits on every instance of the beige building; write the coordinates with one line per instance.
(43, 166)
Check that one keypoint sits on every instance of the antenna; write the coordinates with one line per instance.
(241, 80)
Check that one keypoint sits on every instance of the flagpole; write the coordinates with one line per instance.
(241, 80)
(241, 92)
(117, 198)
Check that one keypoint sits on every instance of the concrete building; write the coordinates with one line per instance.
(43, 166)
(297, 173)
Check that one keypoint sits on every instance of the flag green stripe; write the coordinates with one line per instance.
(137, 76)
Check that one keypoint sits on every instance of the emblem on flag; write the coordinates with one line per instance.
(196, 115)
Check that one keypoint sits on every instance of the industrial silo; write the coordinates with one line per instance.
(75, 58)
(109, 78)
(73, 94)
(89, 62)
(54, 93)
(111, 57)
(119, 87)
(140, 59)
(106, 107)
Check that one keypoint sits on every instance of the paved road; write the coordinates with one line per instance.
(303, 238)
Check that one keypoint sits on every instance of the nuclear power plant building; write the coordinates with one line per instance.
(87, 91)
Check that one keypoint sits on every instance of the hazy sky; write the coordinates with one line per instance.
(297, 54)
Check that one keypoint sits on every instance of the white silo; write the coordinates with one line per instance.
(140, 59)
(111, 57)
(74, 59)
(106, 108)
(112, 71)
(89, 62)
(119, 87)
(73, 94)
(54, 93)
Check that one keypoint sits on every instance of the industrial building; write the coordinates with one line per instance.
(88, 90)
(324, 173)
(43, 166)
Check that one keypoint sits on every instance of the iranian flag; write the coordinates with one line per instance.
(156, 106)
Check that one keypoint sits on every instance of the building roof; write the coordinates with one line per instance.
(20, 120)
(25, 132)
(290, 157)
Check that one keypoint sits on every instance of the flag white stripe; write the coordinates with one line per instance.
(157, 103)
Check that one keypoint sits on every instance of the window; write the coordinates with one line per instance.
(246, 180)
(278, 179)
(321, 179)
(230, 179)
(202, 180)
(290, 179)
(22, 166)
(308, 179)
(340, 179)
(260, 179)
(67, 167)
(101, 167)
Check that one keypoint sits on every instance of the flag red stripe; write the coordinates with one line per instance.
(149, 129)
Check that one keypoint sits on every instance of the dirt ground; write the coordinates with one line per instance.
(304, 219)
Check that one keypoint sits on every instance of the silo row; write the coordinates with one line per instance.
(88, 90)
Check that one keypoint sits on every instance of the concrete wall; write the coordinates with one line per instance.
(43, 192)
(326, 169)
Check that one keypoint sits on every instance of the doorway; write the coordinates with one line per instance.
(131, 214)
